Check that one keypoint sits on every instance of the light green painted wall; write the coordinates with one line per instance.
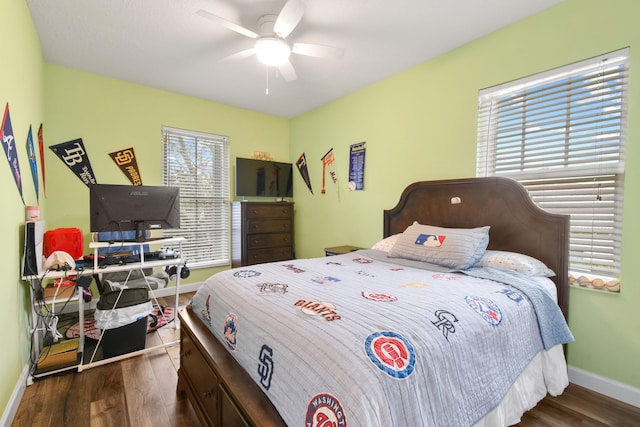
(109, 114)
(21, 85)
(421, 125)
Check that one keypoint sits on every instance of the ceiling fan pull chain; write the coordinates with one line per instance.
(266, 67)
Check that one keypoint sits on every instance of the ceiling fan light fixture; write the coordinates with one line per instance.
(272, 51)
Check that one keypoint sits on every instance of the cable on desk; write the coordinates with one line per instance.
(46, 317)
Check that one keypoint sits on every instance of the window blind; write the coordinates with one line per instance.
(198, 163)
(562, 135)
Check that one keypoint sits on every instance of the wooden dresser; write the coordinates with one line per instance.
(261, 232)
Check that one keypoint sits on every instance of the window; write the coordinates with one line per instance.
(198, 163)
(562, 135)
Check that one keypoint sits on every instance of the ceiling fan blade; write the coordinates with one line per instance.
(288, 72)
(239, 55)
(228, 24)
(289, 17)
(317, 50)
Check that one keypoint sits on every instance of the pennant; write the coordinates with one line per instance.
(356, 166)
(301, 163)
(126, 160)
(32, 162)
(9, 145)
(73, 154)
(327, 162)
(41, 149)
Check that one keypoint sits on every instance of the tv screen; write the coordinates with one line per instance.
(263, 178)
(133, 207)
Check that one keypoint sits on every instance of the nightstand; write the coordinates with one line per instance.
(339, 250)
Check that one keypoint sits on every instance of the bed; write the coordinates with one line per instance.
(385, 336)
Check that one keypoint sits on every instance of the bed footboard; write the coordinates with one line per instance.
(220, 391)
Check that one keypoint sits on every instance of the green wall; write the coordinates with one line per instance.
(109, 114)
(418, 125)
(21, 85)
(421, 125)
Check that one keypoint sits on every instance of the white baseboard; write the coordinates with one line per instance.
(14, 401)
(169, 291)
(611, 388)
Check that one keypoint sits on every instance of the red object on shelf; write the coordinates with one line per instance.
(68, 240)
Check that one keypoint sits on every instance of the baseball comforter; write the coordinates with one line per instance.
(362, 340)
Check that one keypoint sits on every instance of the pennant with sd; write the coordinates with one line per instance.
(126, 160)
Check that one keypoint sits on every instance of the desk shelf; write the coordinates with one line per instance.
(39, 328)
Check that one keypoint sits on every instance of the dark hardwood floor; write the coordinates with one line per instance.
(141, 391)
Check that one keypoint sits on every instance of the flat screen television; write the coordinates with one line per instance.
(263, 178)
(133, 208)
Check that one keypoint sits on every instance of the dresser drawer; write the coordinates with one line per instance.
(269, 210)
(203, 380)
(261, 232)
(269, 225)
(258, 256)
(269, 240)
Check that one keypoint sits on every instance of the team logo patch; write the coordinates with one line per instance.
(445, 322)
(324, 410)
(324, 280)
(206, 313)
(231, 331)
(391, 353)
(324, 309)
(273, 288)
(265, 366)
(414, 285)
(362, 260)
(376, 296)
(511, 294)
(293, 268)
(430, 240)
(486, 308)
(246, 273)
(446, 276)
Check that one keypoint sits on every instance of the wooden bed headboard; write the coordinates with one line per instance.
(517, 224)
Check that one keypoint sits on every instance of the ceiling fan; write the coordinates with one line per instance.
(271, 47)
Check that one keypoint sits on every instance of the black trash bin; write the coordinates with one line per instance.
(124, 320)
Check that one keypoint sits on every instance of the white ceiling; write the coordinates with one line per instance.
(165, 44)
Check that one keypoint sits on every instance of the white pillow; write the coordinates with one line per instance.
(387, 243)
(458, 248)
(515, 261)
